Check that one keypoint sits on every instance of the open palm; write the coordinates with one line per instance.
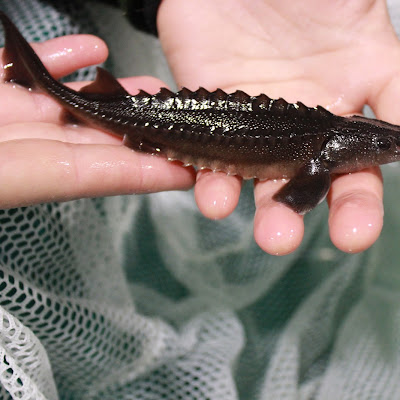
(44, 159)
(339, 54)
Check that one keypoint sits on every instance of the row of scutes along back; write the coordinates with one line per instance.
(202, 99)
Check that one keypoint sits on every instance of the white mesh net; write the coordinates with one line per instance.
(140, 297)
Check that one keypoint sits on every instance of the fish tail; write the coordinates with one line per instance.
(21, 64)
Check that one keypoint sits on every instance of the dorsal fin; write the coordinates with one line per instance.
(104, 83)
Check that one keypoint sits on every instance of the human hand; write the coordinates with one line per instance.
(338, 54)
(45, 160)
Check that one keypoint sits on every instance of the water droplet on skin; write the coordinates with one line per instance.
(60, 53)
(335, 103)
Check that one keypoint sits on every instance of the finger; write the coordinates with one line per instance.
(277, 229)
(63, 133)
(356, 214)
(35, 171)
(39, 107)
(384, 103)
(64, 55)
(216, 193)
(356, 211)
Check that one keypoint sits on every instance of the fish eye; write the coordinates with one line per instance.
(384, 143)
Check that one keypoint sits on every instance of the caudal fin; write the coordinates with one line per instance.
(20, 63)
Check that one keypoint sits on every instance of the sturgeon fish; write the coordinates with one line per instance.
(250, 136)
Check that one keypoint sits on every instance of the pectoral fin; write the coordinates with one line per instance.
(307, 188)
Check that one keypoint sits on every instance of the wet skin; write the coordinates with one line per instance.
(314, 165)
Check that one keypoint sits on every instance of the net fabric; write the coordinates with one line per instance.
(140, 297)
(83, 321)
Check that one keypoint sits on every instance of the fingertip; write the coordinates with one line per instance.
(277, 229)
(356, 210)
(158, 175)
(216, 193)
(355, 222)
(65, 54)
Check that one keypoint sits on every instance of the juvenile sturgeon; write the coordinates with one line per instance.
(250, 136)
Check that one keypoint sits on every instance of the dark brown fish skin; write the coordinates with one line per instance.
(251, 136)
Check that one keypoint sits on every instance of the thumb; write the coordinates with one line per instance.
(386, 104)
